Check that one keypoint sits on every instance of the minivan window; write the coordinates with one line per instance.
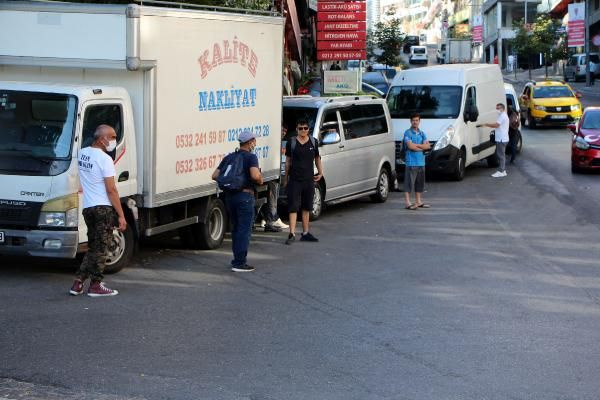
(429, 101)
(330, 123)
(292, 114)
(572, 61)
(364, 120)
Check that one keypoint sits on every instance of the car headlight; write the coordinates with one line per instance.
(446, 139)
(61, 212)
(581, 144)
(575, 107)
(540, 108)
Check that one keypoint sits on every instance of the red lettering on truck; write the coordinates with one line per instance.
(228, 52)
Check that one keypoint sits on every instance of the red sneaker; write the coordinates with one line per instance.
(77, 287)
(97, 289)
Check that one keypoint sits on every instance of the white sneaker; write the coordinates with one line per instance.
(280, 224)
(263, 223)
(499, 174)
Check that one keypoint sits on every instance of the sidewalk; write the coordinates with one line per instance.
(540, 75)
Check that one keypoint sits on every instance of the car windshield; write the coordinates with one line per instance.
(591, 120)
(546, 92)
(36, 124)
(429, 101)
(291, 115)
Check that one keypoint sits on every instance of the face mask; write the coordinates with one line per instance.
(112, 144)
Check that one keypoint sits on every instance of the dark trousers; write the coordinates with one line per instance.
(101, 222)
(512, 143)
(269, 210)
(240, 206)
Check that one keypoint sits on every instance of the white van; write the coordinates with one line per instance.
(418, 54)
(452, 100)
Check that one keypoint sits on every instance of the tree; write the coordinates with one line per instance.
(245, 4)
(388, 38)
(542, 37)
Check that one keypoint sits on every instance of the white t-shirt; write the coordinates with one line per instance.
(94, 166)
(502, 130)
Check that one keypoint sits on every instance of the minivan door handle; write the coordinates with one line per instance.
(124, 176)
(342, 146)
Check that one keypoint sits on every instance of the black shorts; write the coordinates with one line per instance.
(414, 179)
(300, 194)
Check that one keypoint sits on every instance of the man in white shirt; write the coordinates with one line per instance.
(101, 207)
(501, 134)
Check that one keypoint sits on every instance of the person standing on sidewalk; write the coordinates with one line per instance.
(101, 210)
(501, 126)
(240, 203)
(415, 144)
(301, 156)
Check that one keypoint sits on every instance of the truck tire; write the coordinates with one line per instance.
(121, 250)
(382, 190)
(208, 234)
(318, 203)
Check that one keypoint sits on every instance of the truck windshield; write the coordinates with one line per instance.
(36, 132)
(428, 101)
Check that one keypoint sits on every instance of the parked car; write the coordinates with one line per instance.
(409, 41)
(452, 100)
(418, 54)
(377, 79)
(549, 103)
(512, 101)
(356, 146)
(388, 71)
(585, 148)
(440, 54)
(313, 88)
(576, 67)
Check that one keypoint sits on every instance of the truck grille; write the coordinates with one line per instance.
(22, 215)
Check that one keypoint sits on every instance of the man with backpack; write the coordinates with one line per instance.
(301, 156)
(237, 176)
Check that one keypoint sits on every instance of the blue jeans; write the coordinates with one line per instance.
(240, 206)
(269, 211)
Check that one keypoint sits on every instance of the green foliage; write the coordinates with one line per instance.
(543, 37)
(388, 37)
(245, 4)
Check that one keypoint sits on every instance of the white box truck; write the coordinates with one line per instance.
(458, 51)
(178, 86)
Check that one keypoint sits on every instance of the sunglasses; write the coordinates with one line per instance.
(303, 128)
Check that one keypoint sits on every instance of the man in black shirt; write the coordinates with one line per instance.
(301, 156)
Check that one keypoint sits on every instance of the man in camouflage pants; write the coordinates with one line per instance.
(101, 210)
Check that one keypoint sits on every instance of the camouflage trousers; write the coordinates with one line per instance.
(100, 221)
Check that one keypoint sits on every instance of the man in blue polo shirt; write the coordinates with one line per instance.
(415, 143)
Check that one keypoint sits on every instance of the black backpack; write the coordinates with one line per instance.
(232, 177)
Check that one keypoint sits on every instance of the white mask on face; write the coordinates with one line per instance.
(112, 144)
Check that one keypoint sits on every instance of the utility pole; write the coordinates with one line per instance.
(525, 12)
(588, 66)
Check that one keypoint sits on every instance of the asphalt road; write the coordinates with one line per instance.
(493, 293)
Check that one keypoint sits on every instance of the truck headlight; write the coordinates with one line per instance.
(446, 139)
(581, 144)
(575, 107)
(61, 212)
(540, 108)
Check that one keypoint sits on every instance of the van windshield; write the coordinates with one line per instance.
(36, 132)
(419, 50)
(429, 101)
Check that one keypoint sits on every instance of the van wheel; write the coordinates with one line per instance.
(318, 204)
(459, 167)
(383, 187)
(120, 250)
(207, 235)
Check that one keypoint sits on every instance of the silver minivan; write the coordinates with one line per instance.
(355, 142)
(576, 67)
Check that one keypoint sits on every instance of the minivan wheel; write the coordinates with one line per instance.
(317, 209)
(459, 167)
(382, 190)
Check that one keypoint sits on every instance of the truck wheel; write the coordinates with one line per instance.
(120, 250)
(382, 189)
(459, 166)
(317, 210)
(207, 235)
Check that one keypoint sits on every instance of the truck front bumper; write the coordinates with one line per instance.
(39, 243)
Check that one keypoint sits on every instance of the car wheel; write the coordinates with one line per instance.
(318, 204)
(120, 250)
(383, 187)
(459, 166)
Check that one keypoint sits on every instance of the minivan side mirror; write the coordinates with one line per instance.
(331, 137)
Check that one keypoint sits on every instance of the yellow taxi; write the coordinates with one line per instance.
(549, 103)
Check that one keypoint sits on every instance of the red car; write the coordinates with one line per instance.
(585, 150)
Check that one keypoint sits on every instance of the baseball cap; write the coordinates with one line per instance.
(246, 136)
